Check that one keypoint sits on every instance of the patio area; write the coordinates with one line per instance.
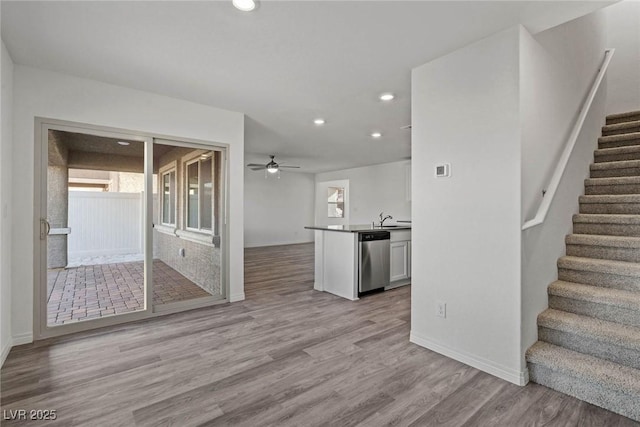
(94, 291)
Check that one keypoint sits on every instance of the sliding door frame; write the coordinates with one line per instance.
(42, 127)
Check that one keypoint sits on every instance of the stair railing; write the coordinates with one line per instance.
(550, 192)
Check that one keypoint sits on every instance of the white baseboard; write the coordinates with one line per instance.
(236, 297)
(25, 338)
(507, 374)
(5, 351)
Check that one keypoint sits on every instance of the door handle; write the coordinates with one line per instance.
(45, 228)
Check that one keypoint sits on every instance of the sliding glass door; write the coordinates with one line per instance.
(129, 227)
(188, 229)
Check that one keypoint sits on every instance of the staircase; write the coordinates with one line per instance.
(589, 338)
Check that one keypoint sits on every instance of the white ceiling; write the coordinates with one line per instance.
(282, 65)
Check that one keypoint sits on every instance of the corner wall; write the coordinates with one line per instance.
(623, 77)
(6, 178)
(466, 228)
(39, 93)
(558, 67)
(372, 189)
(277, 210)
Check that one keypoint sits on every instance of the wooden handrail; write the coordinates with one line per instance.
(549, 194)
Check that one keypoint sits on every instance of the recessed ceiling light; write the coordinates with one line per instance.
(387, 97)
(124, 143)
(244, 5)
(376, 135)
(319, 122)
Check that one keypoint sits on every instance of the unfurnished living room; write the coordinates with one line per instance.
(320, 213)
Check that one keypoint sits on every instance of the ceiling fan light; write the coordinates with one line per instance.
(244, 5)
(272, 169)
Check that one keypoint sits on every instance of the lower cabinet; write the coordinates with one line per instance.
(400, 267)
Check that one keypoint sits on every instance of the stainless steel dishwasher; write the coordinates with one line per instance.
(373, 266)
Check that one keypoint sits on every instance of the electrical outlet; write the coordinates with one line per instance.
(441, 309)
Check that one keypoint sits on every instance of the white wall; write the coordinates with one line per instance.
(372, 189)
(557, 71)
(277, 210)
(6, 170)
(623, 77)
(466, 228)
(39, 93)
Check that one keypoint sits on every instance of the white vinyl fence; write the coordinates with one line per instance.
(105, 223)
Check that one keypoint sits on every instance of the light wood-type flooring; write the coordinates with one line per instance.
(287, 356)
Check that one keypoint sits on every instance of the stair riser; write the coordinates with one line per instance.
(592, 309)
(631, 129)
(607, 229)
(616, 144)
(605, 280)
(604, 252)
(594, 190)
(593, 392)
(601, 158)
(610, 208)
(587, 345)
(615, 121)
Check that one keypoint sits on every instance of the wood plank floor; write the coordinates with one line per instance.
(288, 355)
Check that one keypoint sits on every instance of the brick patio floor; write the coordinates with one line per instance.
(94, 291)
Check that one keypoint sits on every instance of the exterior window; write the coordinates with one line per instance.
(200, 193)
(169, 198)
(335, 199)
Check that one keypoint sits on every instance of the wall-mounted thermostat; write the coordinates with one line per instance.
(443, 170)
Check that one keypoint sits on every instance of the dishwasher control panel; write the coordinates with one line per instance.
(374, 235)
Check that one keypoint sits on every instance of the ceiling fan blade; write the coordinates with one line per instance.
(287, 166)
(259, 168)
(253, 165)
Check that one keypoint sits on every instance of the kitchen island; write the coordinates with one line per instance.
(337, 257)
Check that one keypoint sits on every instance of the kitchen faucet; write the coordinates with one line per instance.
(382, 220)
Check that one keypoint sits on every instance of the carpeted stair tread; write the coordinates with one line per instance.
(621, 128)
(623, 117)
(603, 245)
(603, 240)
(610, 198)
(613, 297)
(585, 367)
(626, 139)
(621, 164)
(614, 180)
(607, 224)
(605, 266)
(607, 219)
(610, 204)
(615, 168)
(629, 152)
(612, 185)
(617, 334)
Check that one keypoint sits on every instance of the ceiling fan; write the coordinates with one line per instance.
(271, 167)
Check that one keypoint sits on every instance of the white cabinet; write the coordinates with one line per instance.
(400, 268)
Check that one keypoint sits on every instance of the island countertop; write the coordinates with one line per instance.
(359, 228)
